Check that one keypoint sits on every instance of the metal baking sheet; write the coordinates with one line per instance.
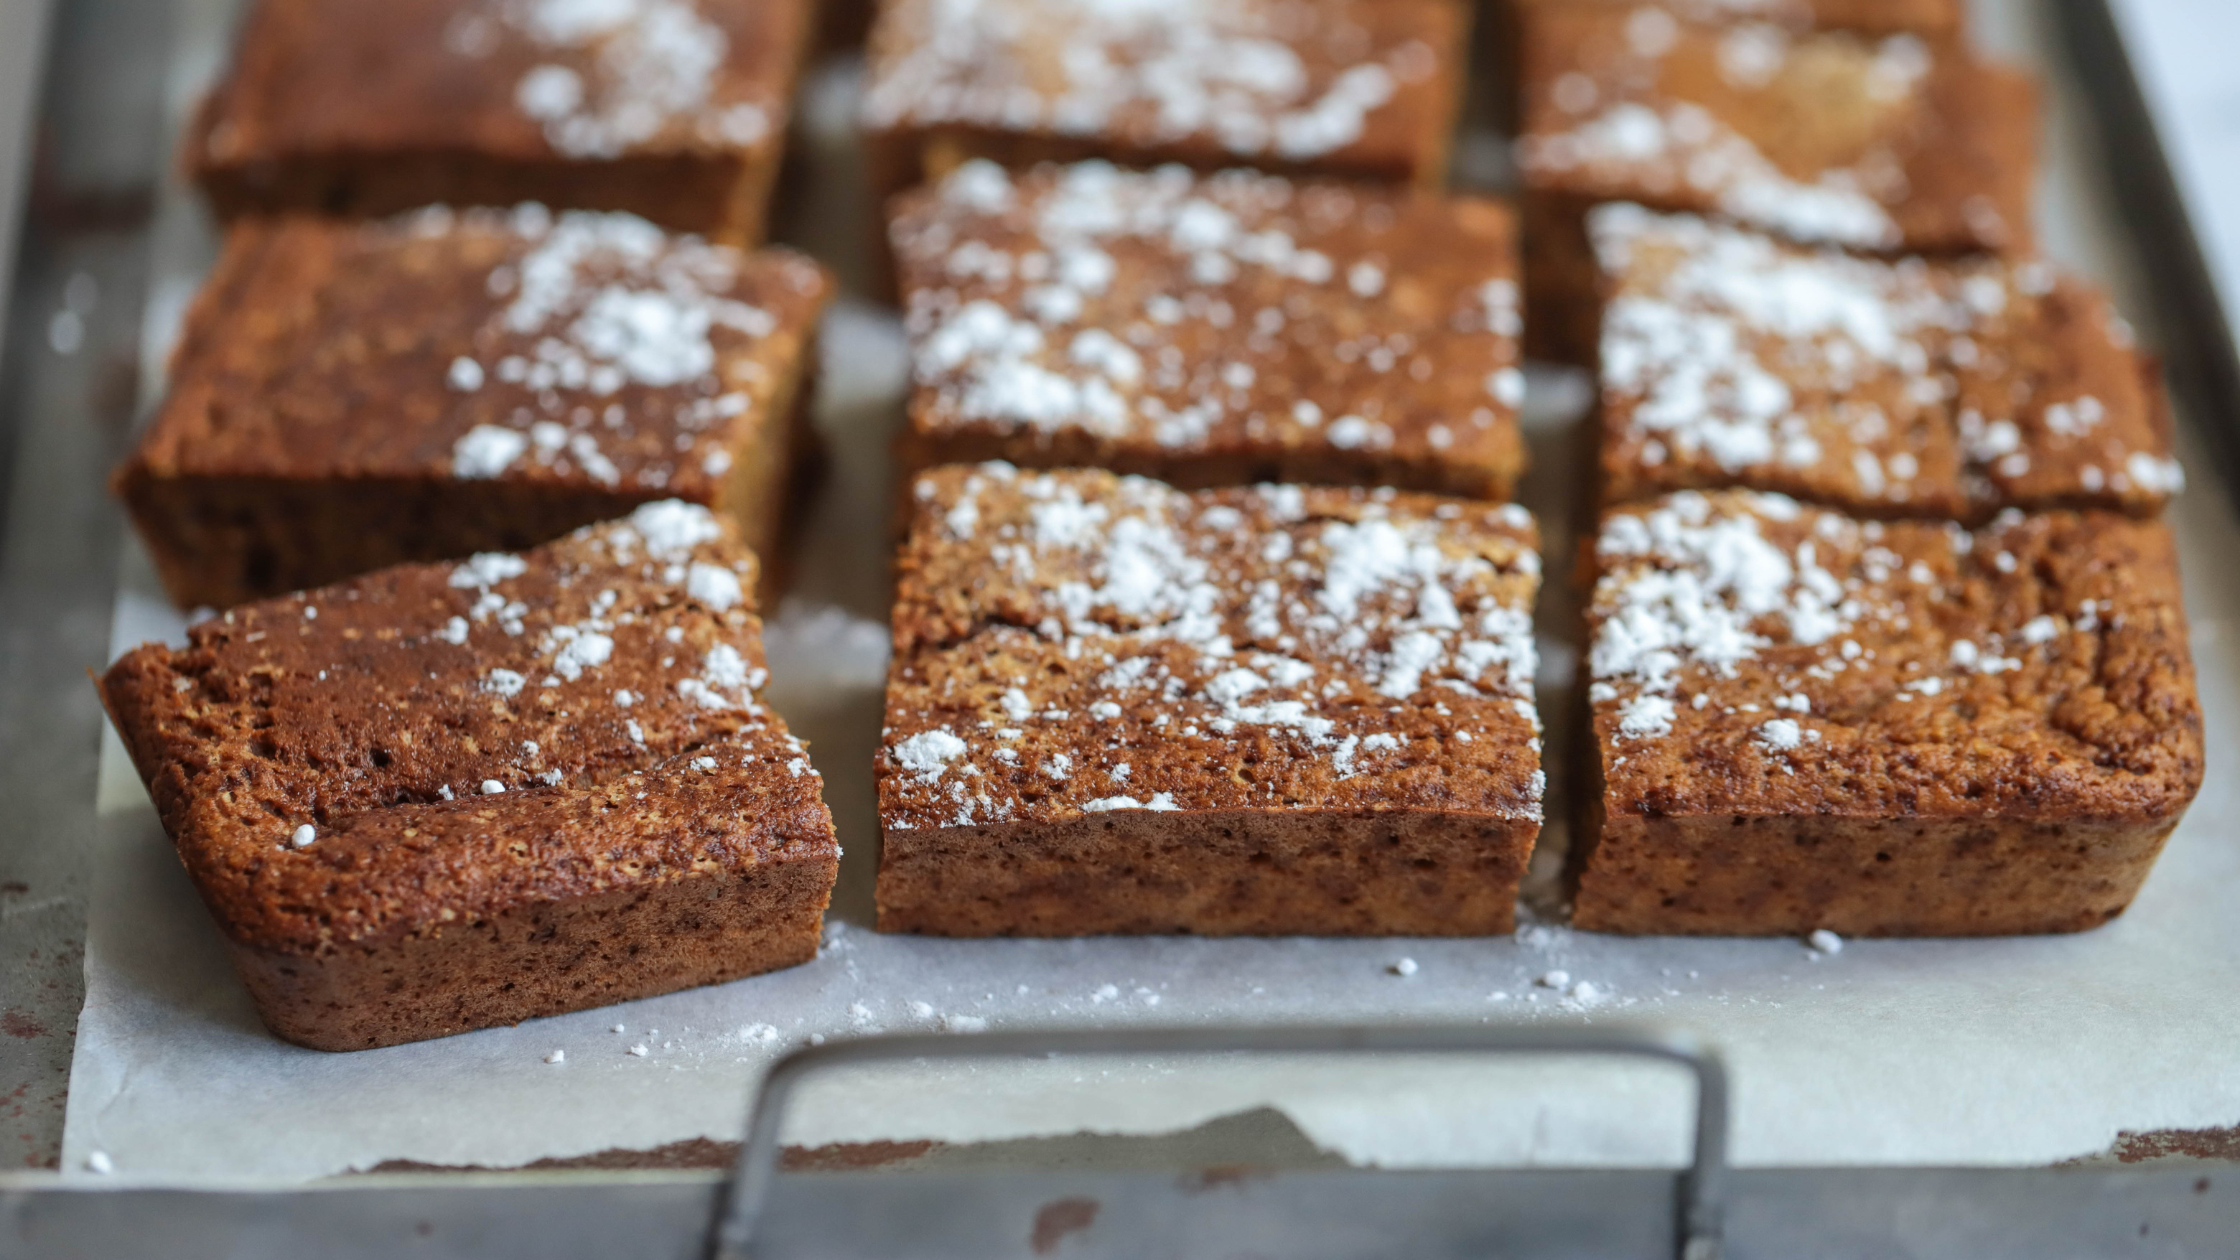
(2021, 1051)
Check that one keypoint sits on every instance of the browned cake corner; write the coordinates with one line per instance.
(1825, 137)
(1357, 89)
(671, 109)
(1212, 330)
(1807, 721)
(445, 797)
(1946, 389)
(1116, 707)
(352, 395)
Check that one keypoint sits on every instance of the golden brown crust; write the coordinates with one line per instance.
(1937, 389)
(355, 773)
(1363, 89)
(1799, 714)
(1283, 663)
(469, 380)
(1213, 330)
(676, 112)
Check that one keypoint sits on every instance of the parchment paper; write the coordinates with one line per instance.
(1921, 1052)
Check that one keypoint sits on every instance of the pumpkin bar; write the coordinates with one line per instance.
(675, 110)
(1823, 137)
(1804, 720)
(1212, 329)
(1945, 389)
(444, 797)
(1118, 707)
(1356, 89)
(351, 395)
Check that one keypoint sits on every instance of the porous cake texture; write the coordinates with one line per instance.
(1212, 329)
(1120, 707)
(444, 797)
(1945, 389)
(1363, 89)
(672, 109)
(349, 395)
(1893, 144)
(1803, 720)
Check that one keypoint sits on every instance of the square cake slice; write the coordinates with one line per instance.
(352, 395)
(445, 797)
(671, 109)
(1212, 330)
(1803, 720)
(1943, 389)
(1118, 707)
(1825, 137)
(1355, 89)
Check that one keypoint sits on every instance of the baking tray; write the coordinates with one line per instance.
(118, 78)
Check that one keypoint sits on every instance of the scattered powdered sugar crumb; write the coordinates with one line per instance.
(1404, 967)
(557, 1056)
(100, 1163)
(486, 451)
(1825, 942)
(303, 836)
(1161, 802)
(928, 753)
(713, 585)
(671, 528)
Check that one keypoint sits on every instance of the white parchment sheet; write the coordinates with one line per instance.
(2000, 1051)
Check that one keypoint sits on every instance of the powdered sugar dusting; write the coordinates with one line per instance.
(1353, 631)
(1619, 124)
(1769, 619)
(1182, 312)
(1728, 356)
(600, 311)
